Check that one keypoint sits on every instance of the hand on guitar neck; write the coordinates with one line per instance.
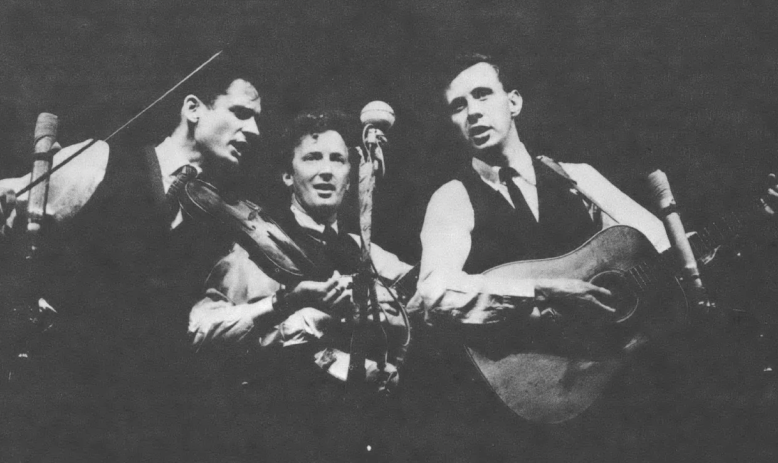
(770, 200)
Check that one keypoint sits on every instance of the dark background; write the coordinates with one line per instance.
(628, 86)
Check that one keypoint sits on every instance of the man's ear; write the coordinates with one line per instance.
(287, 178)
(515, 102)
(191, 108)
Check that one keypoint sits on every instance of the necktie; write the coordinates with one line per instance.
(330, 236)
(183, 175)
(341, 250)
(506, 177)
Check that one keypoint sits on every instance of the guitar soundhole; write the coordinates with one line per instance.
(622, 298)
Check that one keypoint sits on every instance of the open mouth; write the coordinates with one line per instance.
(479, 134)
(241, 147)
(477, 131)
(324, 188)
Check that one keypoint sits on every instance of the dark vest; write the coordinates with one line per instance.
(440, 376)
(503, 234)
(117, 361)
(122, 281)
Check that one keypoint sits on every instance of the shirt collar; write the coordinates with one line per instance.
(306, 221)
(491, 174)
(171, 159)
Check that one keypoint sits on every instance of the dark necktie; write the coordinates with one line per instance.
(184, 174)
(506, 177)
(341, 250)
(330, 236)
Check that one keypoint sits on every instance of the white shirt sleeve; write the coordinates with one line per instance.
(71, 186)
(445, 290)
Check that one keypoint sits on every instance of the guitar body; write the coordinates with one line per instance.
(559, 373)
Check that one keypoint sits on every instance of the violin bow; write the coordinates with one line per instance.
(51, 171)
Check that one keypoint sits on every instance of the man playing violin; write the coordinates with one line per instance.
(284, 328)
(122, 265)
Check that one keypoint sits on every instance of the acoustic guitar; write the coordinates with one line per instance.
(552, 373)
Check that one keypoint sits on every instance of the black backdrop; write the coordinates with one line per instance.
(627, 86)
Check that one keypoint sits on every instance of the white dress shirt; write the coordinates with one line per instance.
(446, 291)
(238, 302)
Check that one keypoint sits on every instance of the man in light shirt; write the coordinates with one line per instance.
(298, 412)
(505, 206)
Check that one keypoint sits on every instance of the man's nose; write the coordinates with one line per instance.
(473, 112)
(325, 170)
(250, 126)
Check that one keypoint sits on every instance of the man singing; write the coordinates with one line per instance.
(122, 267)
(505, 206)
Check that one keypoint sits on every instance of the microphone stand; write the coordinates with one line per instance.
(370, 160)
(358, 391)
(29, 315)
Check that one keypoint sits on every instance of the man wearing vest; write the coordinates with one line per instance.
(123, 265)
(290, 396)
(503, 207)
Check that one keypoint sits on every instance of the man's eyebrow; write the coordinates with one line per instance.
(481, 89)
(243, 109)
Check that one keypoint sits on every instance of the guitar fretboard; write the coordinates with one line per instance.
(648, 274)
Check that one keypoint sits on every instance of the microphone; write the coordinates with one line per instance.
(665, 202)
(668, 211)
(376, 117)
(45, 132)
(377, 114)
(45, 137)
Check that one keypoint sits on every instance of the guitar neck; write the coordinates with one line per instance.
(645, 276)
(723, 229)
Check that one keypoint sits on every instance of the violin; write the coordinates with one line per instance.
(268, 245)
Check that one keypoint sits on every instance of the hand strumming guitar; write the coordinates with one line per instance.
(328, 296)
(575, 292)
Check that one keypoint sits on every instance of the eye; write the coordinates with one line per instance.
(313, 156)
(457, 105)
(481, 92)
(243, 113)
(338, 157)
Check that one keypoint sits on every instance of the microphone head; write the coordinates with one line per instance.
(379, 114)
(45, 132)
(660, 189)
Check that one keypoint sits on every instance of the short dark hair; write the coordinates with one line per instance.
(462, 61)
(214, 79)
(313, 123)
(207, 84)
